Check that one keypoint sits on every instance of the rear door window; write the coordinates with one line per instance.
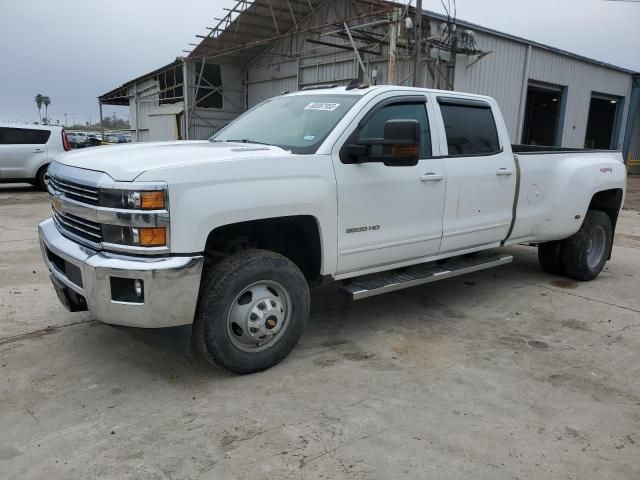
(470, 127)
(23, 136)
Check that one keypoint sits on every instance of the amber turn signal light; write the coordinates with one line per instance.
(152, 200)
(153, 236)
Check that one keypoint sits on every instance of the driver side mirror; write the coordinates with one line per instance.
(399, 147)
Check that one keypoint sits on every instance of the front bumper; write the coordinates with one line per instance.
(83, 278)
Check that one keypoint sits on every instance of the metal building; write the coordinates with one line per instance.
(262, 48)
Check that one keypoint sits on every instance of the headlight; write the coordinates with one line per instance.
(135, 236)
(134, 200)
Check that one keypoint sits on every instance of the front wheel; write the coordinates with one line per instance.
(585, 253)
(252, 309)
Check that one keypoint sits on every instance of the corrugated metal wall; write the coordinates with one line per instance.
(581, 79)
(204, 121)
(500, 76)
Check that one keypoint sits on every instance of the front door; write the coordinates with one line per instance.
(387, 214)
(481, 176)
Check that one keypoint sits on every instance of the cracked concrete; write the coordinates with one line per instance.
(508, 373)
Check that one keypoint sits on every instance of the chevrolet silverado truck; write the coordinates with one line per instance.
(377, 188)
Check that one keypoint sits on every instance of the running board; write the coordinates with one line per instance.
(384, 282)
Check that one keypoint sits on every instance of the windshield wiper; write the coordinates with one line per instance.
(246, 140)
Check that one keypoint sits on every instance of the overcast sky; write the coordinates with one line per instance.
(75, 50)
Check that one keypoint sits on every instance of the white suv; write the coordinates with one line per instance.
(27, 150)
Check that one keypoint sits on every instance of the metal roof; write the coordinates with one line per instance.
(120, 95)
(251, 25)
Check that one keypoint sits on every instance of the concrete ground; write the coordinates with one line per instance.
(507, 373)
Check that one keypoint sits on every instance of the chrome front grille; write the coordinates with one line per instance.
(79, 227)
(75, 191)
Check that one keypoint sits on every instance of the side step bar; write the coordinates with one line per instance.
(384, 282)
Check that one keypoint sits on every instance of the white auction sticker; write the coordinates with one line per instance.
(324, 107)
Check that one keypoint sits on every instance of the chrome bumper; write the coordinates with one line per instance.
(83, 277)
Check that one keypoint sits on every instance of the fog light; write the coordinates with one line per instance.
(127, 290)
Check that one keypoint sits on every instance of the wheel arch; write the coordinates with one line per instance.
(297, 237)
(609, 202)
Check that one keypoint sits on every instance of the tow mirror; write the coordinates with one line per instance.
(399, 147)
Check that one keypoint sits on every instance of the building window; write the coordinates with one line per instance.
(543, 115)
(209, 93)
(171, 86)
(603, 122)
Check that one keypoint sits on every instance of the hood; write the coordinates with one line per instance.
(126, 162)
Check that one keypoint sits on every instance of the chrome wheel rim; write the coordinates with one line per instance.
(596, 247)
(259, 316)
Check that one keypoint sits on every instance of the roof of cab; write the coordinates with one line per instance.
(363, 90)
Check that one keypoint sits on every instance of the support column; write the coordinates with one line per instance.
(393, 36)
(185, 97)
(417, 67)
(101, 121)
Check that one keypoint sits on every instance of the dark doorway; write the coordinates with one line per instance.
(542, 116)
(601, 124)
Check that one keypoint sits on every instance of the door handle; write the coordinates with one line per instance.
(430, 177)
(504, 171)
(38, 150)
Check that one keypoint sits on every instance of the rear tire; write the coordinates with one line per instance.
(252, 310)
(550, 257)
(585, 253)
(41, 181)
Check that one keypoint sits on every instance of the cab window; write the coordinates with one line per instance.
(374, 128)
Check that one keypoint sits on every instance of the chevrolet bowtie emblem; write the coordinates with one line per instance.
(57, 203)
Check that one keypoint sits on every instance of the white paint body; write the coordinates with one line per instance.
(22, 161)
(471, 209)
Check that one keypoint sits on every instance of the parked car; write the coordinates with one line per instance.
(377, 188)
(116, 138)
(92, 140)
(27, 150)
(75, 141)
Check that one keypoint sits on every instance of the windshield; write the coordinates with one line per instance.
(298, 123)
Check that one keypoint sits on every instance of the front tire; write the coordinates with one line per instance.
(586, 252)
(252, 310)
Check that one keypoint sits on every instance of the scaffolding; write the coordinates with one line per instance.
(262, 44)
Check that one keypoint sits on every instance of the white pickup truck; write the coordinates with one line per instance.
(378, 188)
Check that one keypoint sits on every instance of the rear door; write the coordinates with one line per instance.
(22, 151)
(481, 176)
(389, 214)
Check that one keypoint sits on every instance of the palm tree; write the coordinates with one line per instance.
(39, 100)
(47, 101)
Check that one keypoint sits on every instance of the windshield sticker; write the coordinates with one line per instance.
(323, 107)
(309, 138)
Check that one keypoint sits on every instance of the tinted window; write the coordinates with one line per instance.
(374, 128)
(470, 130)
(23, 136)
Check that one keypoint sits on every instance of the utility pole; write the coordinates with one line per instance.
(393, 36)
(417, 67)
